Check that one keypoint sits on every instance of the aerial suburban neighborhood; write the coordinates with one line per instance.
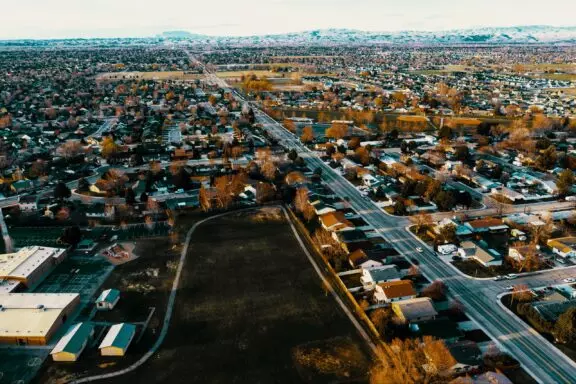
(329, 206)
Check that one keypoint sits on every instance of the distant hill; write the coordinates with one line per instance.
(493, 35)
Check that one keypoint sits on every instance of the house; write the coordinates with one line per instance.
(486, 225)
(471, 250)
(351, 240)
(391, 291)
(21, 186)
(71, 345)
(335, 221)
(117, 339)
(440, 328)
(108, 299)
(491, 378)
(467, 355)
(359, 259)
(321, 208)
(86, 245)
(375, 275)
(27, 204)
(567, 290)
(414, 310)
(183, 203)
(563, 246)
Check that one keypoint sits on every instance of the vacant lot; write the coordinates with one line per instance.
(249, 306)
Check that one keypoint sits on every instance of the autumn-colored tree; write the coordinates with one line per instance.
(264, 192)
(381, 318)
(565, 181)
(70, 149)
(307, 135)
(204, 199)
(565, 327)
(295, 177)
(289, 125)
(436, 290)
(337, 130)
(237, 151)
(521, 293)
(331, 249)
(530, 260)
(362, 155)
(108, 147)
(403, 361)
(541, 233)
(223, 193)
(421, 220)
(268, 170)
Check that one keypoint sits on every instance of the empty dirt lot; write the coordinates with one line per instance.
(248, 300)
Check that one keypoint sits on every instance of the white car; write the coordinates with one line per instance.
(569, 280)
(510, 288)
(419, 249)
(511, 276)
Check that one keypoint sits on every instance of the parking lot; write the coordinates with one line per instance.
(20, 365)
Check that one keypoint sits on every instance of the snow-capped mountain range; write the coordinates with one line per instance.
(493, 35)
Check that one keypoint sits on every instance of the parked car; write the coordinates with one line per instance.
(511, 276)
(569, 280)
(499, 277)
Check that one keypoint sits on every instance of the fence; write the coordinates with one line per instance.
(339, 286)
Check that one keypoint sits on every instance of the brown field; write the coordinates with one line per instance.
(166, 75)
(550, 67)
(257, 72)
(559, 76)
(412, 118)
(466, 121)
(447, 69)
(567, 91)
(308, 57)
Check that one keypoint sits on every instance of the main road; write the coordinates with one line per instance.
(539, 357)
(546, 363)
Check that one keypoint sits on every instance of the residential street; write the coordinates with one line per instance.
(479, 297)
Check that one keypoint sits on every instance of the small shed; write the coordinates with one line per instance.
(71, 345)
(108, 299)
(117, 339)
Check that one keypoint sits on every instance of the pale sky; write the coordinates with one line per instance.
(134, 18)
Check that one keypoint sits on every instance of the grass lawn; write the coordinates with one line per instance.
(248, 301)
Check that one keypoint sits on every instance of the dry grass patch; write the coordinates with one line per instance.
(413, 118)
(329, 360)
(466, 121)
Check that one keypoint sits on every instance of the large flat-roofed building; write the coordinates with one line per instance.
(32, 318)
(29, 264)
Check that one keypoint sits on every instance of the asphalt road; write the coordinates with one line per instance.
(540, 358)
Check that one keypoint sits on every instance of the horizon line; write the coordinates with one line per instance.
(240, 36)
